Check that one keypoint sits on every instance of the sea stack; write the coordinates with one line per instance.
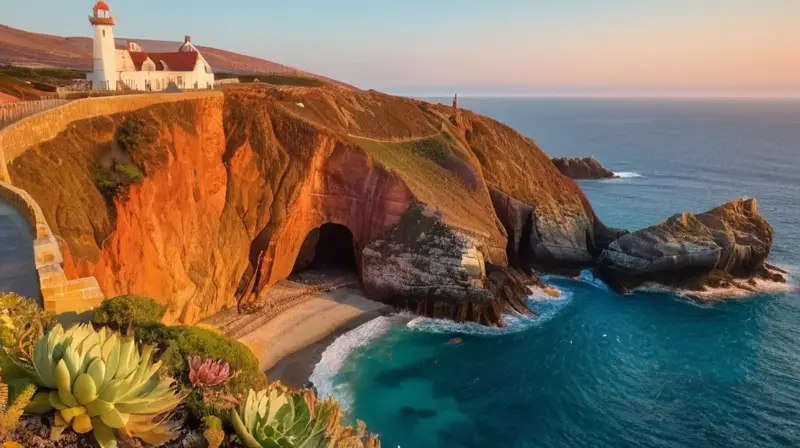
(582, 168)
(722, 248)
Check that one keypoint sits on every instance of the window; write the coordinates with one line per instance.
(180, 81)
(104, 33)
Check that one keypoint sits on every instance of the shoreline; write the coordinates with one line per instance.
(289, 343)
(295, 369)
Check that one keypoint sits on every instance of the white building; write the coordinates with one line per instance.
(131, 68)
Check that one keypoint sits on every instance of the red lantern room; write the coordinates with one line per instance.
(102, 14)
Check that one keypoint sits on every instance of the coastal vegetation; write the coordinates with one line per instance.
(275, 79)
(125, 313)
(39, 73)
(163, 385)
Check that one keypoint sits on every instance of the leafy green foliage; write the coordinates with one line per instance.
(130, 133)
(22, 323)
(115, 181)
(100, 382)
(124, 313)
(177, 343)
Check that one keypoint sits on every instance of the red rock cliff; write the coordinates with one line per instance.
(205, 203)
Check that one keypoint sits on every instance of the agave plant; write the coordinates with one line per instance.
(208, 373)
(98, 381)
(274, 417)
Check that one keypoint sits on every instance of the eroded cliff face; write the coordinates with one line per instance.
(204, 204)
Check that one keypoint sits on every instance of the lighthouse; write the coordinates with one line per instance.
(105, 64)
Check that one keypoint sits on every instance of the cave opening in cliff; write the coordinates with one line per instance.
(328, 247)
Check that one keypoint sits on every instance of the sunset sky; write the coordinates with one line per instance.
(616, 47)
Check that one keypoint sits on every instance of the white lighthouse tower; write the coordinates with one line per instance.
(105, 63)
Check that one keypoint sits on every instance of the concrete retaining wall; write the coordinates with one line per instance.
(58, 293)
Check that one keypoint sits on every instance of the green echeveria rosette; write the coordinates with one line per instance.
(276, 418)
(98, 381)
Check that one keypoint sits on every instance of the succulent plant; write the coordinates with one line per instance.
(98, 381)
(208, 373)
(274, 417)
(11, 412)
(22, 324)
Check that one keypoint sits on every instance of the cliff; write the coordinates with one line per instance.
(204, 202)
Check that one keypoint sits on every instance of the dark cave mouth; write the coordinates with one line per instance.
(328, 247)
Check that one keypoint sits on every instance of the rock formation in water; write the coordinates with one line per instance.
(585, 168)
(718, 248)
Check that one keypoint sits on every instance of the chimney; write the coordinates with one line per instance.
(187, 39)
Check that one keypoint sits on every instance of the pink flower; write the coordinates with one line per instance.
(208, 373)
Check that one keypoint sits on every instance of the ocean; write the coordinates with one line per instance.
(596, 369)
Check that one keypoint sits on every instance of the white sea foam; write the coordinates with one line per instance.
(717, 294)
(626, 175)
(544, 305)
(336, 354)
(586, 276)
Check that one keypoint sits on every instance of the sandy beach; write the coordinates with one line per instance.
(300, 318)
(289, 345)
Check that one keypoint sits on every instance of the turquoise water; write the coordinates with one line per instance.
(597, 369)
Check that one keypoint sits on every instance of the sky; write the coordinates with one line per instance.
(479, 47)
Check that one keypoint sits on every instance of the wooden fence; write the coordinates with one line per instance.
(10, 113)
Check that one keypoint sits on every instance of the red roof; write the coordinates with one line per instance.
(182, 61)
(101, 5)
(138, 58)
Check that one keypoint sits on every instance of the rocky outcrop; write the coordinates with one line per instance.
(212, 200)
(691, 251)
(582, 168)
(231, 188)
(573, 240)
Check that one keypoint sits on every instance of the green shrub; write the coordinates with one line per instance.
(121, 176)
(176, 343)
(130, 133)
(124, 313)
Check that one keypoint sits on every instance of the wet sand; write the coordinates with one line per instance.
(289, 345)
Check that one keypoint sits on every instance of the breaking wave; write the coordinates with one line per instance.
(543, 305)
(334, 357)
(626, 175)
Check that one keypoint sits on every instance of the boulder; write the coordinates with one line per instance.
(711, 249)
(582, 168)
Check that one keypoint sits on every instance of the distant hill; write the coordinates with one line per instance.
(27, 49)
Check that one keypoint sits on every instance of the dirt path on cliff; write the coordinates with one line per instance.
(395, 140)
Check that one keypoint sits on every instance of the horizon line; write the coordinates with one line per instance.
(792, 96)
